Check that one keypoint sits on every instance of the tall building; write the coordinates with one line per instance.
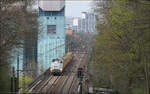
(79, 25)
(75, 24)
(51, 39)
(90, 22)
(84, 24)
(87, 22)
(69, 22)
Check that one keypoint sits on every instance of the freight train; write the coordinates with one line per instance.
(58, 65)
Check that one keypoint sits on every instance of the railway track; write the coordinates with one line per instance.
(38, 86)
(63, 84)
(31, 85)
(38, 81)
(56, 85)
(75, 82)
(50, 84)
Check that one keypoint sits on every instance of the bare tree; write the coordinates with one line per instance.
(18, 27)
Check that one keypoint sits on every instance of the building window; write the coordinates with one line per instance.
(51, 29)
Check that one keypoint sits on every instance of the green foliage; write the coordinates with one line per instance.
(24, 80)
(27, 79)
(138, 91)
(122, 47)
(4, 79)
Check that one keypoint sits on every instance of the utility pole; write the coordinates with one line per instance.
(80, 84)
(67, 45)
(18, 73)
(147, 78)
(23, 78)
(13, 82)
(80, 75)
(56, 47)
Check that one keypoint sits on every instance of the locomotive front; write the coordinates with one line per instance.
(56, 66)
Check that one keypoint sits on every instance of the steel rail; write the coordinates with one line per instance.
(46, 82)
(71, 86)
(72, 80)
(63, 85)
(50, 88)
(74, 77)
(32, 84)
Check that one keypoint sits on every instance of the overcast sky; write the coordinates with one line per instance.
(74, 8)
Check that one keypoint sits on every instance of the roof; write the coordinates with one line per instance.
(51, 5)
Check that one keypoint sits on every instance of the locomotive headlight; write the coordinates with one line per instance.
(56, 62)
(61, 69)
(51, 69)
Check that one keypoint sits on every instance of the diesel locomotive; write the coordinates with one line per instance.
(58, 65)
